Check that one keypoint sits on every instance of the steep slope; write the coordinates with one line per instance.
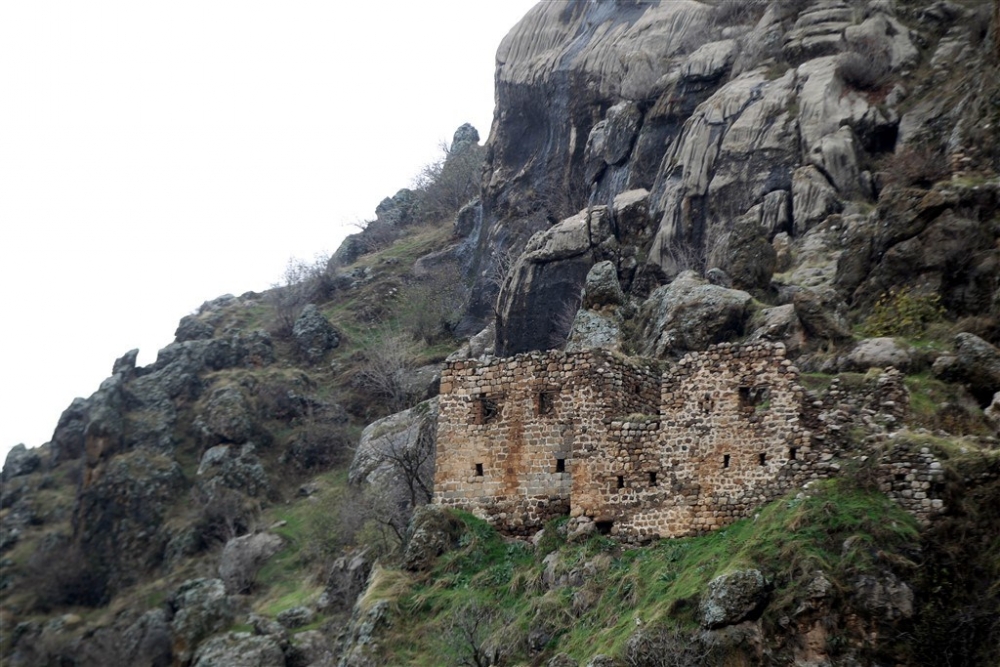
(659, 177)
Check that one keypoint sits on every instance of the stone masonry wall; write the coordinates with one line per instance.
(509, 428)
(644, 455)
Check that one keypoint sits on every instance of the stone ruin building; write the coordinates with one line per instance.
(644, 453)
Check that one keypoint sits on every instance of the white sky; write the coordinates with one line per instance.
(157, 154)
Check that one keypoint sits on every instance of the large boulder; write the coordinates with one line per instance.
(242, 558)
(226, 416)
(200, 608)
(822, 313)
(433, 531)
(20, 461)
(690, 314)
(878, 353)
(240, 649)
(979, 365)
(314, 335)
(602, 287)
(232, 467)
(541, 295)
(346, 580)
(409, 435)
(733, 597)
(120, 513)
(595, 329)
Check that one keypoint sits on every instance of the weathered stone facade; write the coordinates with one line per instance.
(641, 452)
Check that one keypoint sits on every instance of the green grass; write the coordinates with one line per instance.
(836, 528)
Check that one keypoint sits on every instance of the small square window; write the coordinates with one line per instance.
(546, 403)
(485, 410)
(479, 470)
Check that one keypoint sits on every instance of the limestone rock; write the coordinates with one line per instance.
(432, 532)
(346, 580)
(602, 287)
(239, 649)
(68, 438)
(822, 313)
(412, 430)
(813, 198)
(540, 297)
(992, 412)
(779, 324)
(886, 596)
(595, 330)
(125, 364)
(732, 597)
(147, 640)
(296, 617)
(310, 648)
(192, 327)
(226, 416)
(242, 558)
(879, 353)
(20, 461)
(231, 467)
(120, 512)
(314, 335)
(200, 609)
(689, 314)
(979, 364)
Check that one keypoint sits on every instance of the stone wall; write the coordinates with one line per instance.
(642, 454)
(509, 427)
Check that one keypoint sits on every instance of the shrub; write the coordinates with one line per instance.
(902, 313)
(443, 187)
(867, 67)
(915, 165)
(303, 282)
(61, 576)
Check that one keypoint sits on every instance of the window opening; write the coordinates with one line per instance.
(479, 470)
(725, 460)
(486, 410)
(755, 397)
(762, 458)
(560, 465)
(652, 479)
(604, 527)
(792, 453)
(621, 482)
(546, 404)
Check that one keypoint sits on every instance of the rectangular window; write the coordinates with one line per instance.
(762, 459)
(560, 465)
(621, 482)
(792, 452)
(546, 403)
(479, 470)
(755, 397)
(652, 479)
(485, 411)
(725, 460)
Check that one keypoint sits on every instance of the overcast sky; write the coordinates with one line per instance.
(157, 154)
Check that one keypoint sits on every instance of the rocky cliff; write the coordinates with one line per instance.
(659, 177)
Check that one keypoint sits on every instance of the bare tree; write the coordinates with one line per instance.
(387, 362)
(301, 283)
(412, 461)
(471, 634)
